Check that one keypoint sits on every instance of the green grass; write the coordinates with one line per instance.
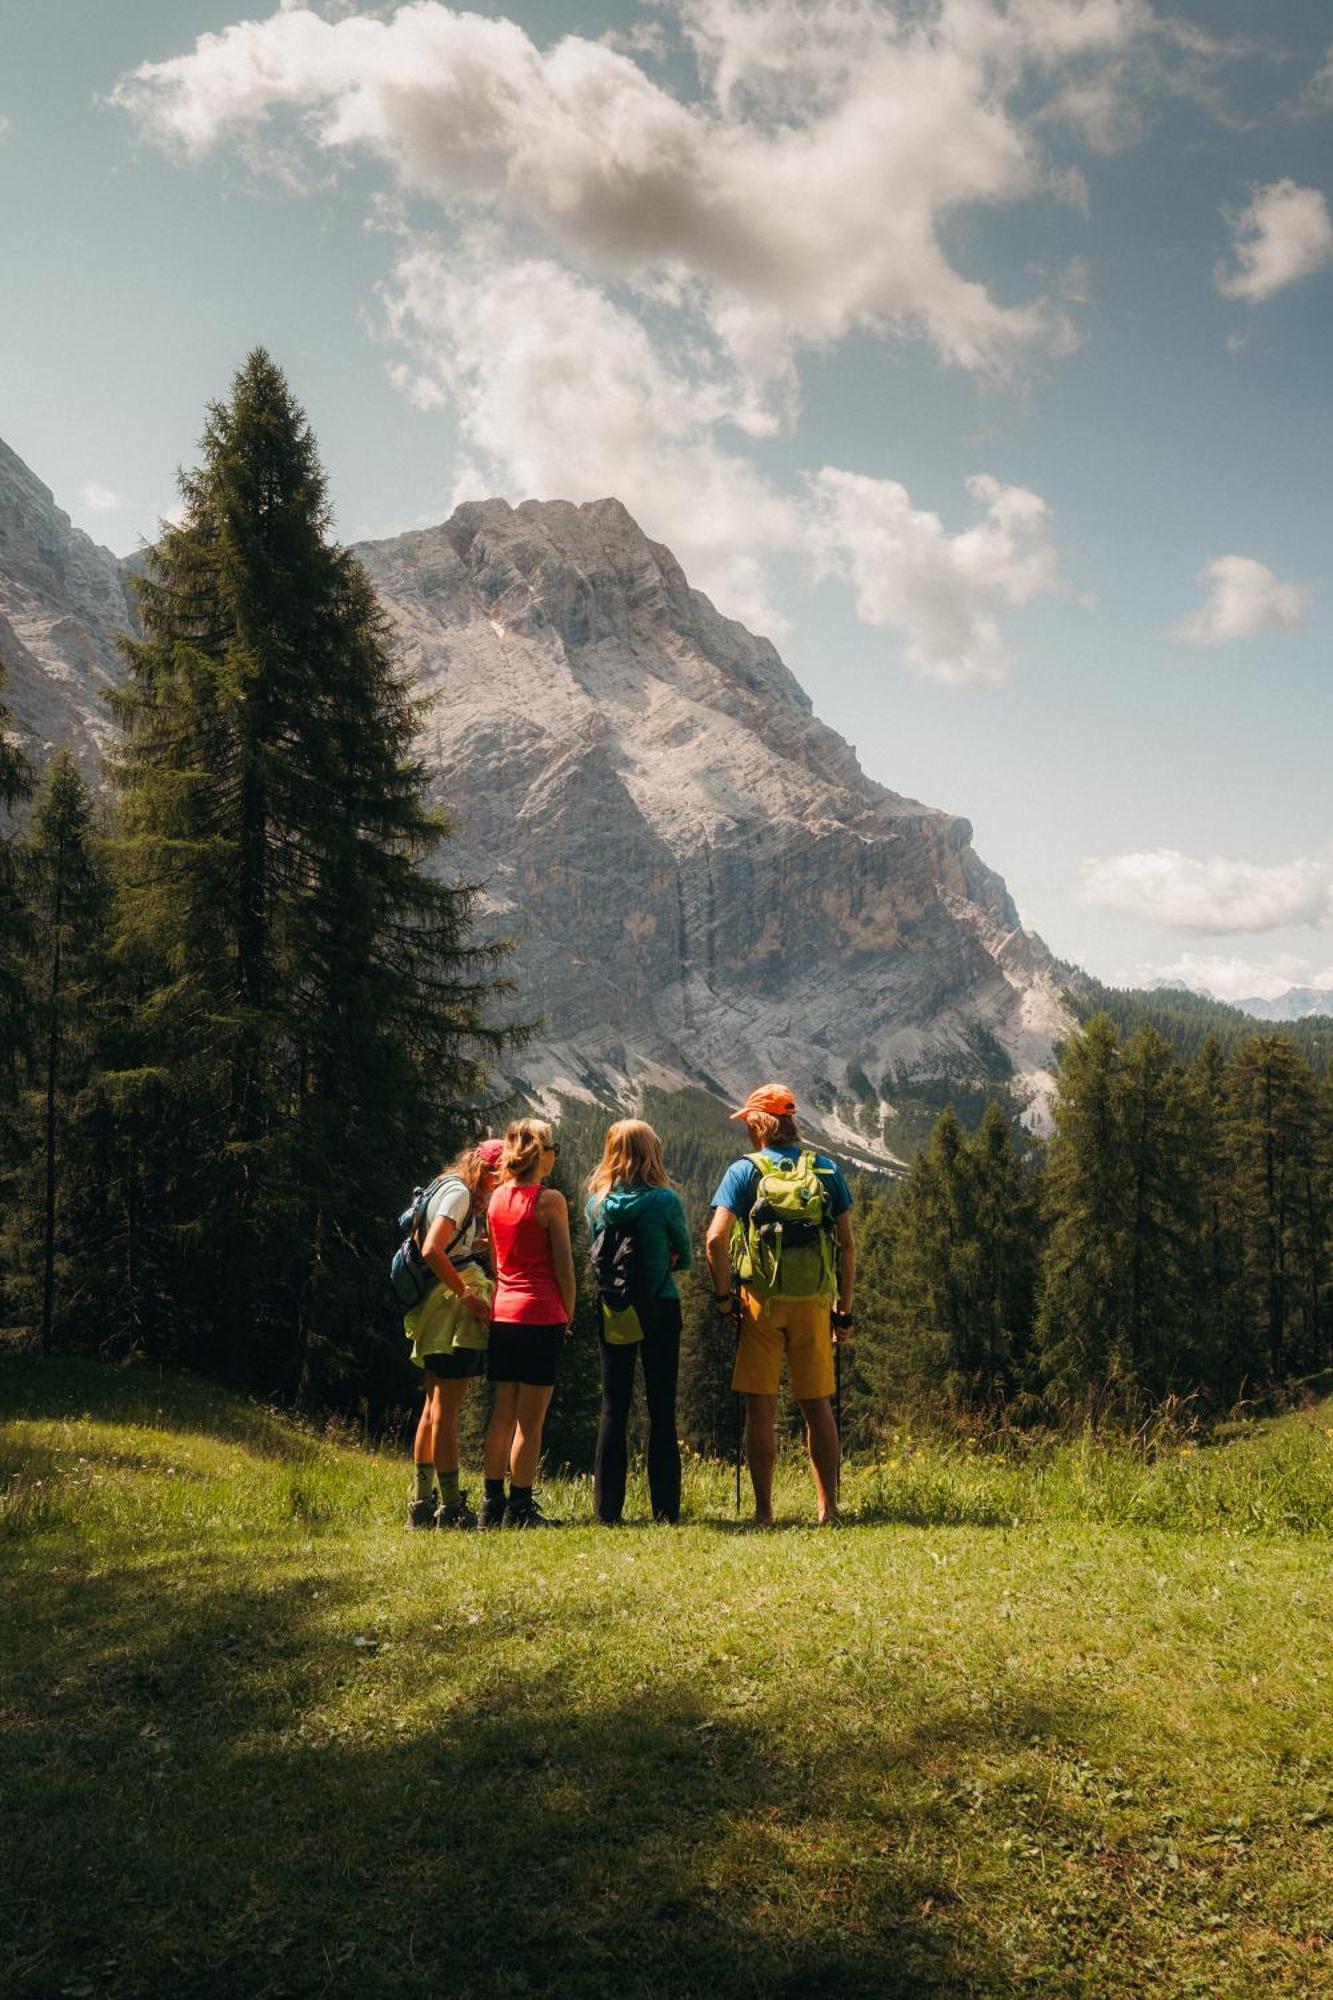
(1051, 1722)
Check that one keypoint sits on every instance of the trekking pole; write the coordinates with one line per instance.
(837, 1414)
(740, 1400)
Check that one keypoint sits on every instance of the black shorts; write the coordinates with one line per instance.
(524, 1353)
(458, 1365)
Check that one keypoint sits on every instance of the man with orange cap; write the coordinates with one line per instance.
(803, 1329)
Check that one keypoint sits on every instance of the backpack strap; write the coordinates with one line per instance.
(423, 1203)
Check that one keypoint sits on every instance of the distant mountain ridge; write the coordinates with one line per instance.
(705, 886)
(1185, 1017)
(1298, 1003)
(64, 602)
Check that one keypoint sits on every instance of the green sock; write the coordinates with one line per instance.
(425, 1481)
(448, 1485)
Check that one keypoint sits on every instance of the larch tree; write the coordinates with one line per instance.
(67, 895)
(16, 781)
(1271, 1140)
(1085, 1198)
(315, 1001)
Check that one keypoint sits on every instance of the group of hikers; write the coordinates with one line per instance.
(488, 1263)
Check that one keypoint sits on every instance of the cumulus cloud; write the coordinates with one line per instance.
(1283, 233)
(1244, 597)
(1214, 895)
(802, 196)
(626, 274)
(1318, 93)
(559, 390)
(99, 499)
(1228, 978)
(942, 592)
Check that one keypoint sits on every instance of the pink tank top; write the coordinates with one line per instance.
(526, 1293)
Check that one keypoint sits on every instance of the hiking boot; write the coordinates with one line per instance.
(492, 1513)
(527, 1515)
(421, 1514)
(456, 1513)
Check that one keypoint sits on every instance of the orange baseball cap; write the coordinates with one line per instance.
(774, 1098)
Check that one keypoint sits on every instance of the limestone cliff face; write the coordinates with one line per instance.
(63, 603)
(704, 882)
(705, 886)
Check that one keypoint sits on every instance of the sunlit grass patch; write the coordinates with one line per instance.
(1042, 1720)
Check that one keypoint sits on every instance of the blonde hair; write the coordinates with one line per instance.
(525, 1142)
(631, 1152)
(469, 1168)
(766, 1129)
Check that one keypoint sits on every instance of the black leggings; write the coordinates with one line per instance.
(661, 1362)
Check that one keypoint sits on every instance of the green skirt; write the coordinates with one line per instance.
(440, 1323)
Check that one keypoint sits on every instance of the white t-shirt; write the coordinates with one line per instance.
(451, 1198)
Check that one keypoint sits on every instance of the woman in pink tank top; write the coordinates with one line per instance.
(528, 1225)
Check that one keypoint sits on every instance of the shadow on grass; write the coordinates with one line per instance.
(170, 1400)
(184, 1820)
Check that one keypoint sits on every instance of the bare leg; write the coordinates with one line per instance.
(761, 1451)
(821, 1436)
(530, 1413)
(423, 1447)
(500, 1430)
(448, 1399)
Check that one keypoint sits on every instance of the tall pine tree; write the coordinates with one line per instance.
(311, 994)
(52, 1212)
(16, 781)
(1272, 1141)
(1224, 1361)
(1157, 1350)
(1086, 1191)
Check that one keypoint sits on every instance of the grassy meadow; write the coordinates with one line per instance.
(1051, 1721)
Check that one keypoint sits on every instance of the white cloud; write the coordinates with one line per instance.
(1317, 97)
(1283, 233)
(1244, 597)
(1228, 978)
(943, 592)
(99, 499)
(561, 393)
(6, 127)
(1215, 895)
(631, 275)
(802, 198)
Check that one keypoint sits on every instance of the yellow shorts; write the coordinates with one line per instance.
(802, 1329)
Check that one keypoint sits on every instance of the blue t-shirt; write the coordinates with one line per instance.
(737, 1188)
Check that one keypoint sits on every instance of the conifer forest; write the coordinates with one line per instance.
(243, 1008)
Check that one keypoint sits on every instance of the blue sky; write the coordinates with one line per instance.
(979, 352)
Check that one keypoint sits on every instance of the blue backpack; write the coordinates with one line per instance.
(410, 1276)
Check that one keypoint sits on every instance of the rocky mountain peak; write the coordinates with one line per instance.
(704, 885)
(63, 603)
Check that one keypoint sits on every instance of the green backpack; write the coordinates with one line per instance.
(785, 1248)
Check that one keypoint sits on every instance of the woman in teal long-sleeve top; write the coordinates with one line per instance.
(631, 1185)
